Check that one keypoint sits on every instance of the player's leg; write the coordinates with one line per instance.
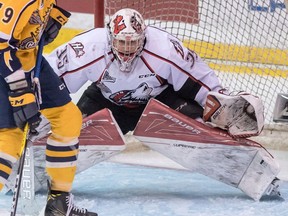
(92, 101)
(62, 145)
(10, 136)
(128, 118)
(10, 141)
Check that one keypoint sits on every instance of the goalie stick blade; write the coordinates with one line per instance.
(241, 163)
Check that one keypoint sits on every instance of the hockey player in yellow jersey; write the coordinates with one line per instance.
(22, 24)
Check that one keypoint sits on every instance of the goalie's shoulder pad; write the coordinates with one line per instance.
(242, 114)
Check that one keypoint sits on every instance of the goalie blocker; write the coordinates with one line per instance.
(241, 163)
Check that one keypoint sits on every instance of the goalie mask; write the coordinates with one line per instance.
(127, 35)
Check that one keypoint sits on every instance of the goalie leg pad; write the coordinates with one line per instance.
(241, 163)
(259, 175)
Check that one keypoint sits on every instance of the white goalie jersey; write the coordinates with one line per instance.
(164, 60)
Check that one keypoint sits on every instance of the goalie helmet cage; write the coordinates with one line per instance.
(244, 41)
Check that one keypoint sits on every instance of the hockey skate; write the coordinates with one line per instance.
(61, 204)
(273, 188)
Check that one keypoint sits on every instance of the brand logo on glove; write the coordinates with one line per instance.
(15, 103)
(22, 99)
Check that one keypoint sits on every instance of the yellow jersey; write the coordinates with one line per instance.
(22, 23)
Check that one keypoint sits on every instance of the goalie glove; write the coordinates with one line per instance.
(242, 114)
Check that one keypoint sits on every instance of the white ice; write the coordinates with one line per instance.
(114, 189)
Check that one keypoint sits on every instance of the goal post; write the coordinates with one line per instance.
(95, 7)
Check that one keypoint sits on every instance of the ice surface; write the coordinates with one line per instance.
(113, 189)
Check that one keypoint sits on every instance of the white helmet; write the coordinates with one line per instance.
(127, 35)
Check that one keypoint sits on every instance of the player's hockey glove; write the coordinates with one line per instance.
(23, 101)
(25, 109)
(58, 17)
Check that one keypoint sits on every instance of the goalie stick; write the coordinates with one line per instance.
(25, 187)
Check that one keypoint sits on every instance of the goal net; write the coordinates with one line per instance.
(244, 41)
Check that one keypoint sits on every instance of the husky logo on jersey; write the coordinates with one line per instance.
(117, 26)
(178, 47)
(132, 98)
(78, 48)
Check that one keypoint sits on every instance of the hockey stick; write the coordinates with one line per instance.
(27, 189)
(26, 160)
(39, 59)
(20, 171)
